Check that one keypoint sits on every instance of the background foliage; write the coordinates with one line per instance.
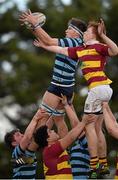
(25, 71)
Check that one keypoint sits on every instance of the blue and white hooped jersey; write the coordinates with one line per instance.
(65, 67)
(80, 159)
(24, 171)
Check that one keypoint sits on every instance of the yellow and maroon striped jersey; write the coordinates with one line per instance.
(93, 60)
(56, 162)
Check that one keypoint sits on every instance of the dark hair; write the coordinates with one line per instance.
(9, 137)
(40, 136)
(78, 23)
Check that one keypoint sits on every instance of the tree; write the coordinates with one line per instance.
(25, 71)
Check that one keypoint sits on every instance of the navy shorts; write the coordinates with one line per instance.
(58, 90)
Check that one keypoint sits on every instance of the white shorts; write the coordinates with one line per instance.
(95, 98)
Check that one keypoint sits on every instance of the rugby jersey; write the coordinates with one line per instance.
(80, 159)
(27, 171)
(64, 68)
(56, 162)
(93, 60)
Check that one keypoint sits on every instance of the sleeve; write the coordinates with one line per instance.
(72, 53)
(103, 49)
(55, 149)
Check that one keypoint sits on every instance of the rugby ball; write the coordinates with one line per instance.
(41, 19)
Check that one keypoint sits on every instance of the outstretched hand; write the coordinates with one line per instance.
(41, 113)
(101, 27)
(89, 118)
(71, 100)
(38, 43)
(63, 99)
(28, 17)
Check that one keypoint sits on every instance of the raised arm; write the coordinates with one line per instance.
(37, 30)
(70, 111)
(110, 121)
(72, 115)
(78, 126)
(46, 119)
(72, 135)
(55, 49)
(113, 48)
(31, 128)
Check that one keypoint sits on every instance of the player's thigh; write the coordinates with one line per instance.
(90, 119)
(104, 92)
(51, 99)
(95, 98)
(92, 103)
(59, 108)
(99, 123)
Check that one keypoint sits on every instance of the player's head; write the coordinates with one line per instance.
(76, 28)
(13, 138)
(45, 136)
(92, 31)
(41, 136)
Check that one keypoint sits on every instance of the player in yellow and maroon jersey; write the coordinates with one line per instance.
(93, 60)
(56, 162)
(55, 157)
(93, 57)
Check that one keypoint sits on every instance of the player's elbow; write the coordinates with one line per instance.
(114, 52)
(113, 131)
(110, 130)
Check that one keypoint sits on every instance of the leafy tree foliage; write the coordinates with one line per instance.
(25, 71)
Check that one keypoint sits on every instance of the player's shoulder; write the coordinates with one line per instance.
(100, 47)
(70, 42)
(73, 39)
(18, 150)
(100, 44)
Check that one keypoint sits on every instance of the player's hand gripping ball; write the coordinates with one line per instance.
(41, 19)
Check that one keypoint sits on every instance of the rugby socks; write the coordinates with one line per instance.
(103, 161)
(94, 162)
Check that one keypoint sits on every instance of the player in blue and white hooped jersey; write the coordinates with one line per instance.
(80, 158)
(63, 81)
(23, 148)
(63, 76)
(22, 168)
